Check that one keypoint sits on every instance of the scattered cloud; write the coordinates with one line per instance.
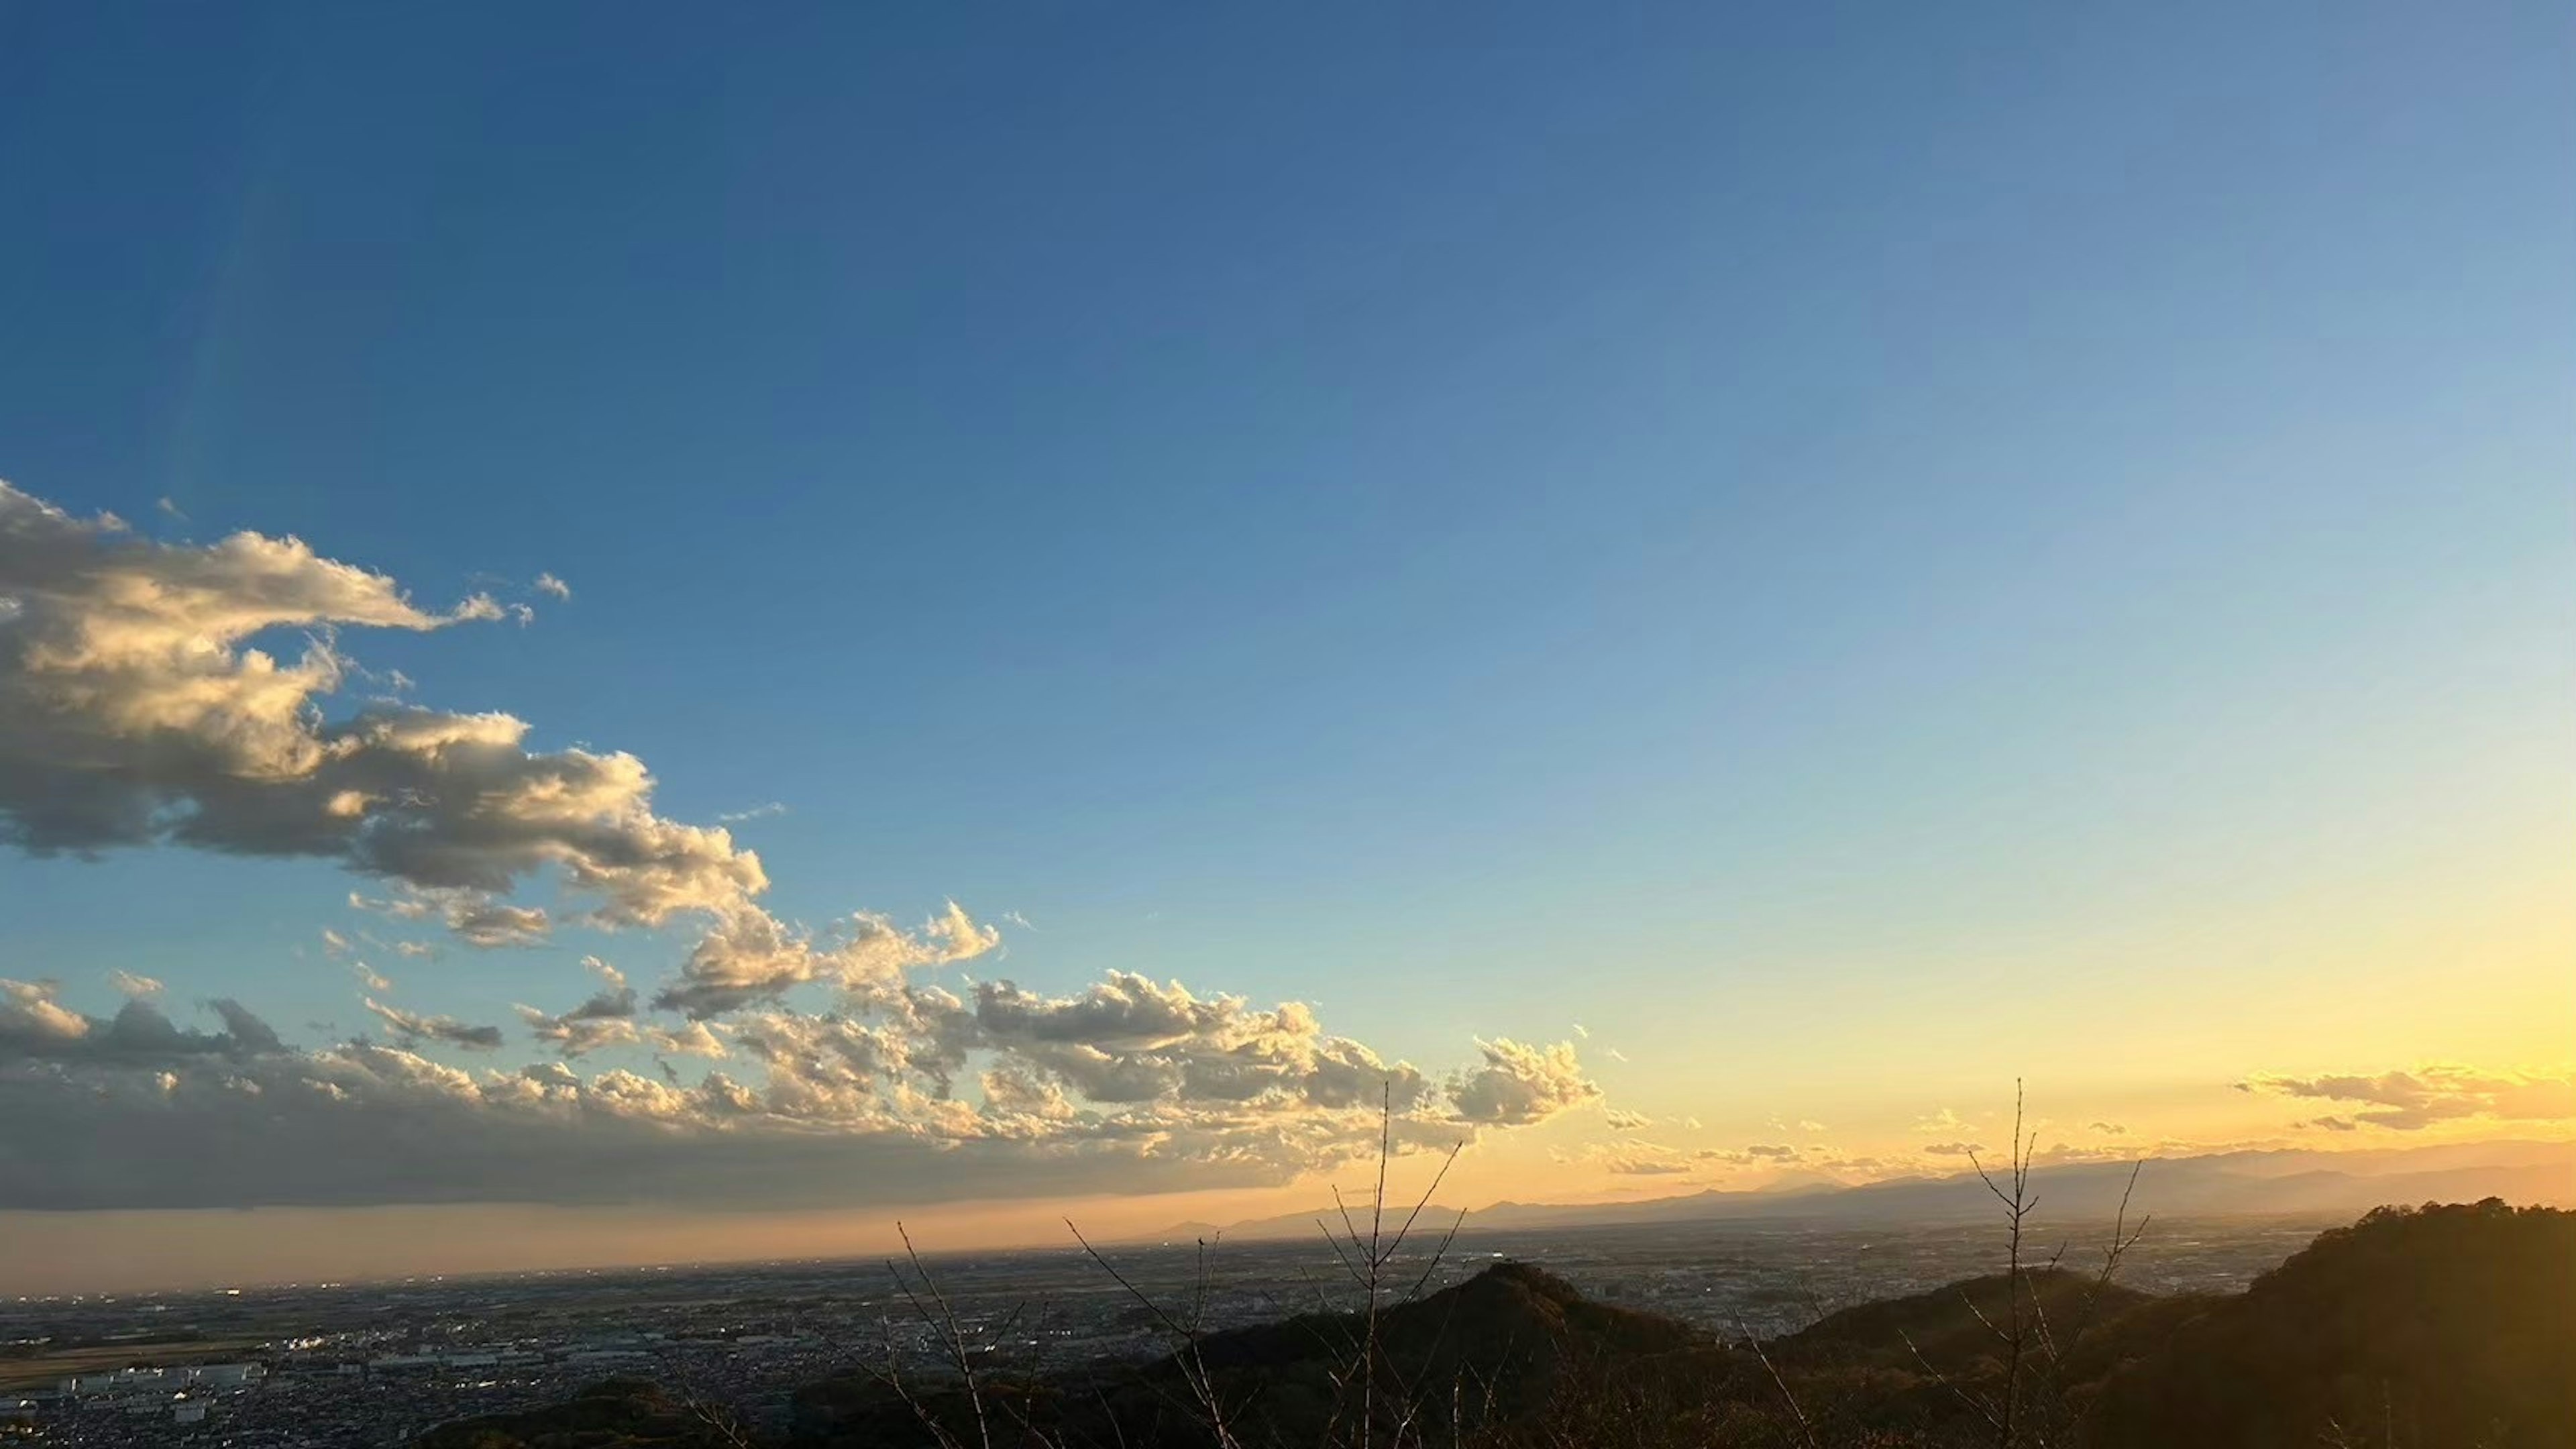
(1131, 1085)
(607, 1019)
(2110, 1129)
(1623, 1120)
(756, 812)
(1756, 1153)
(2409, 1101)
(752, 957)
(412, 1029)
(135, 710)
(143, 701)
(129, 984)
(37, 1031)
(2066, 1152)
(553, 587)
(1520, 1084)
(1641, 1159)
(1954, 1149)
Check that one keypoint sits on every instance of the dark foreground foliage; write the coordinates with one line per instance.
(2432, 1328)
(2440, 1326)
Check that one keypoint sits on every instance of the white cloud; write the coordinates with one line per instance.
(129, 984)
(1520, 1084)
(756, 812)
(751, 957)
(141, 704)
(135, 709)
(553, 587)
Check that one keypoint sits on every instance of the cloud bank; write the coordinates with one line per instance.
(164, 694)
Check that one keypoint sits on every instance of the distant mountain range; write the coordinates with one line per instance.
(2219, 1184)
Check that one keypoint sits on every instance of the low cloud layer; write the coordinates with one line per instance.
(159, 694)
(2409, 1101)
(1130, 1085)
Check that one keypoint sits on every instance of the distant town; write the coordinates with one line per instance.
(370, 1366)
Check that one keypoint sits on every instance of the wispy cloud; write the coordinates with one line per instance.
(413, 1029)
(1758, 1154)
(2411, 1100)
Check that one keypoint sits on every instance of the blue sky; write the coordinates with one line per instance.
(1755, 530)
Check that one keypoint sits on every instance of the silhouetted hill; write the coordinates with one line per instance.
(618, 1414)
(1489, 1350)
(1948, 1328)
(2411, 1329)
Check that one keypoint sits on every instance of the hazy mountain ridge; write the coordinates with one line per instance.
(2280, 1182)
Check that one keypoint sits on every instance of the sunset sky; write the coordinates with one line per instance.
(632, 634)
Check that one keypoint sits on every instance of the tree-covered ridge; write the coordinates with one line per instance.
(2424, 1326)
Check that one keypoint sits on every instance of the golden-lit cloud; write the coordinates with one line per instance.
(1519, 1084)
(138, 708)
(2411, 1100)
